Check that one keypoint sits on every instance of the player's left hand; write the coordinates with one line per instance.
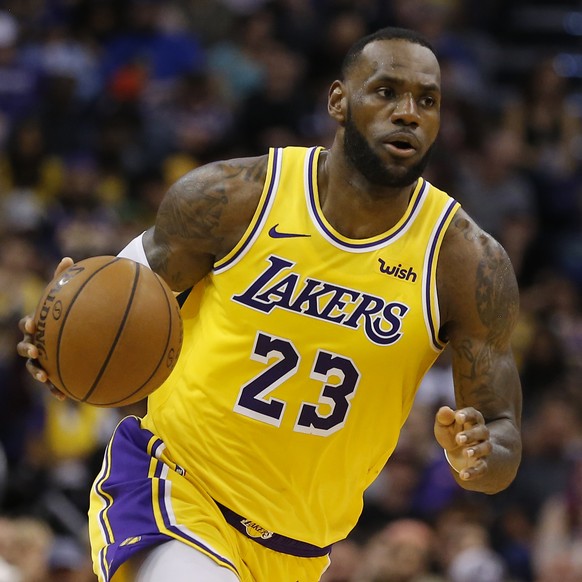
(464, 435)
(26, 347)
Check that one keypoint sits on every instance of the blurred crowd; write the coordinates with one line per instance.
(104, 103)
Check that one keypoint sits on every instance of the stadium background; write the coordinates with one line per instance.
(103, 103)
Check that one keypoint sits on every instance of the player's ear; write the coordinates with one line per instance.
(337, 102)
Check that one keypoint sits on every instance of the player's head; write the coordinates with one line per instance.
(387, 103)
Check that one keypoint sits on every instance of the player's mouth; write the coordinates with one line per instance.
(401, 144)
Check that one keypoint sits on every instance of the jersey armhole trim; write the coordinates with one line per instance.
(430, 301)
(260, 215)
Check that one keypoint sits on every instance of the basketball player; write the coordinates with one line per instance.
(317, 288)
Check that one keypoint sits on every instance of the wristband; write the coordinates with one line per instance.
(449, 462)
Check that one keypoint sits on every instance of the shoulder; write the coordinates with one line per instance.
(216, 201)
(202, 217)
(230, 181)
(476, 282)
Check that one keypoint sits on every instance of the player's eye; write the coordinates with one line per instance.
(386, 92)
(428, 101)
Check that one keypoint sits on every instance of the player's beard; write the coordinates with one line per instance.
(371, 166)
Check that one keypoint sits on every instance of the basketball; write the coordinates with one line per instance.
(108, 331)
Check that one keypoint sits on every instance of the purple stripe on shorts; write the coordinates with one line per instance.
(135, 514)
(131, 514)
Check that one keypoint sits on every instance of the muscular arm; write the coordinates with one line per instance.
(200, 220)
(480, 305)
(202, 217)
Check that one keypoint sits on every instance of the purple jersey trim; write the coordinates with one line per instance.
(262, 214)
(431, 257)
(356, 244)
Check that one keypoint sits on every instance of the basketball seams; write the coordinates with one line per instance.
(62, 385)
(164, 353)
(117, 335)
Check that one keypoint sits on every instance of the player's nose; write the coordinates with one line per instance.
(406, 110)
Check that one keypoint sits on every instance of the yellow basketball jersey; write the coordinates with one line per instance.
(303, 350)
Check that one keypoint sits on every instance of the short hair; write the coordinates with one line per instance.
(388, 33)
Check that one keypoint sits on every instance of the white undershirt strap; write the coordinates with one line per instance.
(135, 251)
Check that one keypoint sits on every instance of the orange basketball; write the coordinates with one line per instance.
(108, 331)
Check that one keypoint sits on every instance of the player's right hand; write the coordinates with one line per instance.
(28, 350)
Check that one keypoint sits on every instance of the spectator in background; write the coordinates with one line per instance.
(550, 431)
(416, 482)
(143, 61)
(545, 120)
(238, 61)
(566, 318)
(497, 194)
(403, 551)
(68, 561)
(297, 24)
(272, 116)
(195, 121)
(58, 51)
(33, 539)
(20, 89)
(121, 147)
(339, 30)
(544, 366)
(67, 124)
(26, 162)
(8, 571)
(347, 556)
(83, 214)
(511, 536)
(21, 284)
(470, 556)
(465, 553)
(558, 539)
(211, 20)
(502, 199)
(543, 113)
(29, 180)
(62, 448)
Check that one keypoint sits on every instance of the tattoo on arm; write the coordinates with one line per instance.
(254, 172)
(191, 216)
(481, 374)
(475, 379)
(464, 227)
(496, 295)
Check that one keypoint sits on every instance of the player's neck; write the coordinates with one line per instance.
(354, 207)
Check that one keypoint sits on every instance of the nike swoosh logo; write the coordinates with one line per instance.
(274, 233)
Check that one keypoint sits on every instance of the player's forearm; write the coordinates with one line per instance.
(502, 462)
